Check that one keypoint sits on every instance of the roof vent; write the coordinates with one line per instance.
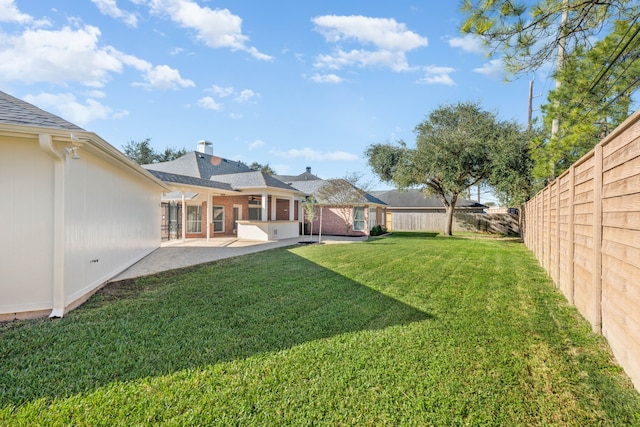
(205, 147)
(308, 169)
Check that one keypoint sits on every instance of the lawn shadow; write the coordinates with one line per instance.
(189, 318)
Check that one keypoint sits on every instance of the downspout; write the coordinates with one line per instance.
(59, 297)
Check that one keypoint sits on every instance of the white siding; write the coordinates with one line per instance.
(112, 220)
(26, 218)
(111, 216)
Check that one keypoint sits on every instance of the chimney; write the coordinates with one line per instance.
(205, 147)
(308, 169)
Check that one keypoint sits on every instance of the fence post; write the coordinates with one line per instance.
(558, 254)
(597, 238)
(570, 243)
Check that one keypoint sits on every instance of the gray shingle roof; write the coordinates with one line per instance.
(18, 112)
(189, 180)
(199, 165)
(417, 199)
(312, 186)
(306, 176)
(253, 179)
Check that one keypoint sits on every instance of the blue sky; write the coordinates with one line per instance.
(288, 83)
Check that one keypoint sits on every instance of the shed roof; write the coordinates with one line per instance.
(18, 112)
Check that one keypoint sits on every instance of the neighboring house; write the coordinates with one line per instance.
(354, 213)
(225, 198)
(77, 212)
(411, 210)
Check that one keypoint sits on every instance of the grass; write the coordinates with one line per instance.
(408, 329)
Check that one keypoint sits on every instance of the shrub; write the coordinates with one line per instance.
(377, 230)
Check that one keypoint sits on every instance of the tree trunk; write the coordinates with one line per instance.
(449, 224)
(450, 209)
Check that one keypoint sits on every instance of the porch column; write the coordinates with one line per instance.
(264, 216)
(184, 218)
(292, 206)
(273, 207)
(209, 209)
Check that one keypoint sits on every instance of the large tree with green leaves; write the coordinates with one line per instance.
(457, 146)
(529, 34)
(594, 100)
(143, 153)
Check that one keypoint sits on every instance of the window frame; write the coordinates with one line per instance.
(218, 221)
(356, 219)
(194, 222)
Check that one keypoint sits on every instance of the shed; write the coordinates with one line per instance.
(76, 212)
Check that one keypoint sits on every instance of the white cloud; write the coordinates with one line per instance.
(209, 103)
(391, 41)
(326, 78)
(311, 154)
(110, 8)
(256, 144)
(164, 77)
(71, 109)
(493, 69)
(58, 56)
(9, 13)
(245, 96)
(215, 27)
(468, 43)
(74, 55)
(222, 91)
(235, 116)
(438, 75)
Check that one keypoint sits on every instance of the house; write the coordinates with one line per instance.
(411, 210)
(76, 212)
(217, 197)
(342, 208)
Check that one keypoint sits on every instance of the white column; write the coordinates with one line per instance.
(209, 210)
(292, 206)
(273, 208)
(264, 207)
(184, 218)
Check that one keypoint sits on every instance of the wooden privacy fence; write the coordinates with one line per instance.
(502, 223)
(584, 228)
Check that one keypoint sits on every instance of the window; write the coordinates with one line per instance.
(194, 219)
(358, 218)
(255, 209)
(372, 218)
(218, 219)
(383, 216)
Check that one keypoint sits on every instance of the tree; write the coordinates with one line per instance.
(342, 194)
(457, 146)
(142, 153)
(529, 34)
(309, 206)
(595, 100)
(262, 168)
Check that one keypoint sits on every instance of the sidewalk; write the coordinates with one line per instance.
(178, 254)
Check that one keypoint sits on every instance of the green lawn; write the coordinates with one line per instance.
(408, 329)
